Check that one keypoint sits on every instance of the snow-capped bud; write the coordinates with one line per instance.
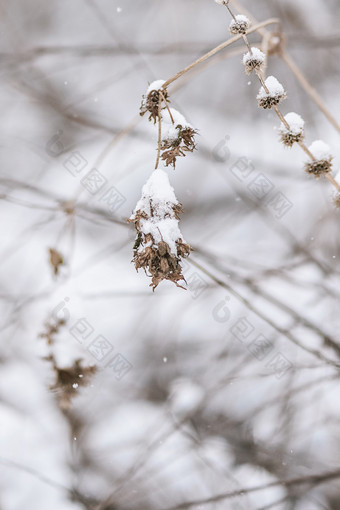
(239, 25)
(274, 96)
(295, 133)
(151, 99)
(323, 159)
(159, 245)
(178, 137)
(253, 60)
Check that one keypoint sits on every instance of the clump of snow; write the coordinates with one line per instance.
(186, 396)
(296, 124)
(274, 87)
(320, 150)
(157, 202)
(220, 2)
(170, 130)
(256, 54)
(240, 18)
(155, 85)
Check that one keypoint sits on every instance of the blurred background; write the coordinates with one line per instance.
(114, 397)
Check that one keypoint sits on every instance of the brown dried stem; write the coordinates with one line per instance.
(225, 44)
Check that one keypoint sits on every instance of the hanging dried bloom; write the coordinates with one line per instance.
(253, 60)
(178, 137)
(274, 94)
(295, 132)
(151, 99)
(159, 244)
(323, 159)
(56, 260)
(239, 25)
(69, 379)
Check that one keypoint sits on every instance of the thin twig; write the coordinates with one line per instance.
(308, 88)
(159, 130)
(225, 44)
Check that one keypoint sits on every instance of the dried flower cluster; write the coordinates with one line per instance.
(254, 60)
(295, 132)
(322, 163)
(68, 380)
(271, 94)
(239, 25)
(159, 244)
(151, 99)
(178, 137)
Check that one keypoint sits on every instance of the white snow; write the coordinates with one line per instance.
(296, 124)
(255, 54)
(186, 396)
(169, 129)
(155, 85)
(163, 226)
(220, 2)
(320, 150)
(274, 86)
(240, 18)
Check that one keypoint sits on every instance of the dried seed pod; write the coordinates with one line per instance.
(295, 132)
(239, 25)
(151, 99)
(322, 163)
(253, 60)
(178, 137)
(274, 94)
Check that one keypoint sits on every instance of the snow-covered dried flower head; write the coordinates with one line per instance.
(159, 244)
(151, 99)
(253, 60)
(295, 133)
(222, 2)
(178, 137)
(323, 159)
(274, 96)
(239, 25)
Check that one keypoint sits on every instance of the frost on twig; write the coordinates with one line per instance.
(178, 137)
(159, 244)
(323, 159)
(274, 94)
(151, 99)
(253, 60)
(296, 131)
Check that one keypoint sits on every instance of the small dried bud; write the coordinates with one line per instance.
(295, 132)
(239, 25)
(56, 260)
(151, 99)
(323, 159)
(274, 94)
(253, 60)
